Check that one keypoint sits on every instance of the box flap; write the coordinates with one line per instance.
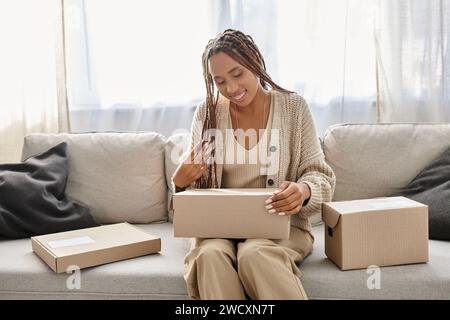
(373, 204)
(227, 192)
(330, 216)
(223, 192)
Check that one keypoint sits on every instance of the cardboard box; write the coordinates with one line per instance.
(227, 213)
(381, 231)
(94, 246)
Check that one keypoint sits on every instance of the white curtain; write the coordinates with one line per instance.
(32, 77)
(413, 54)
(137, 65)
(322, 49)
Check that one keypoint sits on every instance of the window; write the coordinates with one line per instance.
(136, 65)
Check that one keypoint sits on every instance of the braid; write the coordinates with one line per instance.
(243, 49)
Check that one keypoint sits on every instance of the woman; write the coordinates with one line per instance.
(252, 268)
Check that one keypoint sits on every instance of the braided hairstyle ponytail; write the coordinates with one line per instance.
(242, 49)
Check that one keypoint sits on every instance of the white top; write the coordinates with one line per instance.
(246, 168)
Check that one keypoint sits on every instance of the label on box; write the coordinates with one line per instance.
(70, 242)
(391, 204)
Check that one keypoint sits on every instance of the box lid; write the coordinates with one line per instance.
(330, 215)
(332, 211)
(92, 239)
(225, 192)
(228, 191)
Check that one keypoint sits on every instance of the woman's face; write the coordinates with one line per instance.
(234, 81)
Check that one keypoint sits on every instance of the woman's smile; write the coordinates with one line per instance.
(239, 97)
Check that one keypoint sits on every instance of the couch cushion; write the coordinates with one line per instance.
(119, 176)
(160, 276)
(374, 160)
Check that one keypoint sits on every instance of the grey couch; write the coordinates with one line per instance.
(369, 160)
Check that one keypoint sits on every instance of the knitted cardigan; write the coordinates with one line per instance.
(295, 151)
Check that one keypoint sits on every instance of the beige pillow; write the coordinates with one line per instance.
(119, 176)
(376, 160)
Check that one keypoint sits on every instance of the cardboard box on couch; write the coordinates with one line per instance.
(380, 231)
(227, 213)
(94, 246)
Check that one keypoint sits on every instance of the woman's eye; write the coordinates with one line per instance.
(238, 75)
(220, 83)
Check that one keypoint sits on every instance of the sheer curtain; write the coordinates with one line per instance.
(321, 49)
(413, 54)
(32, 95)
(136, 65)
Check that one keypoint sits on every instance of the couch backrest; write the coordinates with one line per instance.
(374, 160)
(119, 176)
(126, 176)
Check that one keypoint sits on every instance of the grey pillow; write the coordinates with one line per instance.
(32, 197)
(432, 187)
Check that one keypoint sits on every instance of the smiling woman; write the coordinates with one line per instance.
(238, 84)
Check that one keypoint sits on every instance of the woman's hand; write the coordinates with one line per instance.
(193, 167)
(289, 198)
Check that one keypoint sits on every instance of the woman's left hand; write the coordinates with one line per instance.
(289, 198)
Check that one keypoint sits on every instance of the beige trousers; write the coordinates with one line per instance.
(254, 268)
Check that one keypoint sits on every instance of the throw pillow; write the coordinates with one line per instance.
(432, 187)
(32, 197)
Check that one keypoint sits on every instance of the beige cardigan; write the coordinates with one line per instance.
(295, 151)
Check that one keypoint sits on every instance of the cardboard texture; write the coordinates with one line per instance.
(380, 231)
(94, 246)
(227, 213)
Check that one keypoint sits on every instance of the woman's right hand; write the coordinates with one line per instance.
(191, 168)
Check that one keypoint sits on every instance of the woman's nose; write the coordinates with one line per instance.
(232, 88)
